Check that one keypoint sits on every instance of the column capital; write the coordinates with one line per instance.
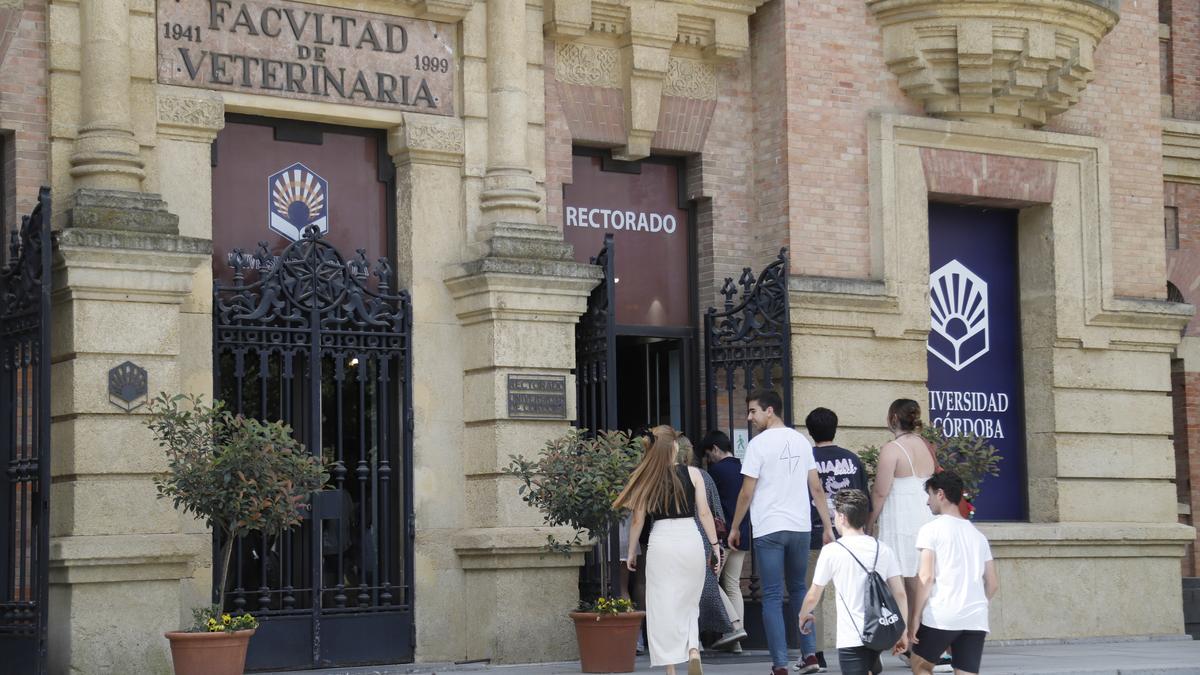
(426, 139)
(190, 115)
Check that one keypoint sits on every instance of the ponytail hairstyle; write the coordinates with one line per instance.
(655, 485)
(904, 415)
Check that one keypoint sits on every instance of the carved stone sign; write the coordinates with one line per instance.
(297, 50)
(537, 397)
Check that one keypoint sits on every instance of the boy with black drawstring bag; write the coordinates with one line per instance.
(871, 600)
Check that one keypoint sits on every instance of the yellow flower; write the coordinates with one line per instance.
(226, 618)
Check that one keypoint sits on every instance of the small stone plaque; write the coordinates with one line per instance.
(539, 397)
(302, 51)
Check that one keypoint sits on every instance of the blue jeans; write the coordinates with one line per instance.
(782, 557)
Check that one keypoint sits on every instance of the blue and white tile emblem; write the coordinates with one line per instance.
(297, 198)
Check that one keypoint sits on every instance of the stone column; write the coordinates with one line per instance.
(510, 199)
(106, 154)
(124, 565)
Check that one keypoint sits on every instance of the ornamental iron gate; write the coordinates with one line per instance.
(596, 401)
(747, 347)
(596, 351)
(25, 440)
(325, 345)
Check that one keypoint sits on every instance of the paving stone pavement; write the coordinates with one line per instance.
(1157, 656)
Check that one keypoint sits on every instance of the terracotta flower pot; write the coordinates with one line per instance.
(209, 653)
(608, 642)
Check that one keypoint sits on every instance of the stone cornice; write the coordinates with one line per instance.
(439, 10)
(1007, 62)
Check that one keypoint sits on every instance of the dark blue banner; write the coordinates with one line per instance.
(974, 348)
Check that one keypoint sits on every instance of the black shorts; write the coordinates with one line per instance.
(859, 661)
(966, 646)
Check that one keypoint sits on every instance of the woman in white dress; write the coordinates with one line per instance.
(898, 497)
(667, 497)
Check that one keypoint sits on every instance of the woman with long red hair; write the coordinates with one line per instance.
(666, 498)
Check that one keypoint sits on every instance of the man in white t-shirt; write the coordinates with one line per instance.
(956, 579)
(778, 475)
(837, 564)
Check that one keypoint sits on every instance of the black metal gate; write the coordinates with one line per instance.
(747, 346)
(324, 344)
(25, 441)
(596, 398)
(596, 351)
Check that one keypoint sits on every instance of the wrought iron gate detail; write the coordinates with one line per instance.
(747, 346)
(324, 344)
(596, 399)
(25, 440)
(596, 351)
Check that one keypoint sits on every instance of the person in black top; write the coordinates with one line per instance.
(726, 472)
(667, 497)
(839, 468)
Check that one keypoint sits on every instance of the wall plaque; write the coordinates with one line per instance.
(313, 52)
(127, 386)
(537, 397)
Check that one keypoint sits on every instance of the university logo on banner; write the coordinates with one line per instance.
(958, 310)
(298, 198)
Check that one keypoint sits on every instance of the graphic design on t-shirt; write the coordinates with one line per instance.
(794, 459)
(837, 475)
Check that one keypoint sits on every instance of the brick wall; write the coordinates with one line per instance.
(1184, 56)
(23, 121)
(1183, 264)
(1122, 105)
(836, 78)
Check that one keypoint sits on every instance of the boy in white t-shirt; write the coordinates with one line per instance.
(778, 476)
(837, 564)
(956, 579)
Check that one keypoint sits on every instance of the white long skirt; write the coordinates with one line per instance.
(674, 580)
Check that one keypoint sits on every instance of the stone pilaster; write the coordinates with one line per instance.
(119, 295)
(517, 305)
(188, 123)
(428, 154)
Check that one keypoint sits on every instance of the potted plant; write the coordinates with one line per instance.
(972, 457)
(574, 482)
(240, 475)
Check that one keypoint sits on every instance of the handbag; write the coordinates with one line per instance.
(721, 528)
(965, 507)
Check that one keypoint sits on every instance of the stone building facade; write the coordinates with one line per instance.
(828, 128)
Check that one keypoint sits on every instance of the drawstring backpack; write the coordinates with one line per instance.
(882, 624)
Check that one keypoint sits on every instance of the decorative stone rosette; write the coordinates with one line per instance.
(1008, 62)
